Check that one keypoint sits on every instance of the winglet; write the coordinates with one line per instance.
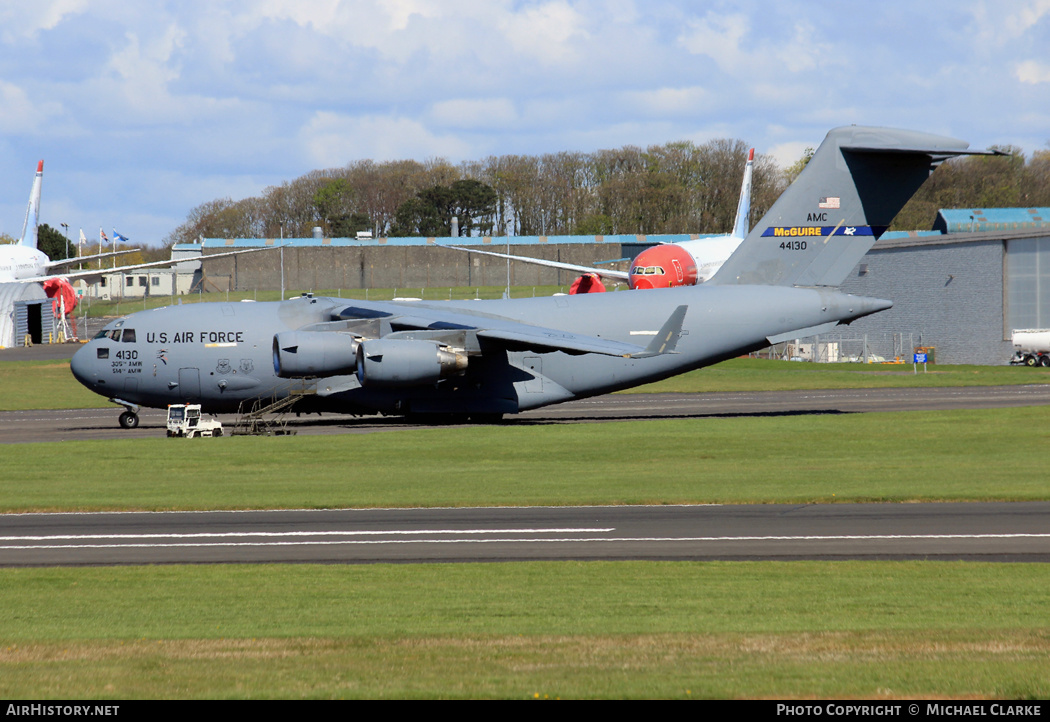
(29, 227)
(742, 224)
(667, 337)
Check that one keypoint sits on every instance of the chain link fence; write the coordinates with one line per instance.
(851, 348)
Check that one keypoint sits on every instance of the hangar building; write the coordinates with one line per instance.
(26, 312)
(963, 289)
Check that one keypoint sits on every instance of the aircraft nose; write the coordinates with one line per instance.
(81, 364)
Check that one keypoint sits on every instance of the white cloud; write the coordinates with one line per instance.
(1032, 72)
(786, 154)
(719, 38)
(547, 32)
(146, 71)
(332, 140)
(20, 114)
(755, 54)
(492, 113)
(217, 93)
(363, 18)
(26, 19)
(670, 101)
(998, 25)
(1020, 17)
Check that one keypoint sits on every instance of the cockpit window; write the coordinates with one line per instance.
(647, 271)
(129, 335)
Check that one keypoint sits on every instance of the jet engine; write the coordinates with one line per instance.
(405, 362)
(297, 354)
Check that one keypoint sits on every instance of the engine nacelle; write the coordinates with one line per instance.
(403, 362)
(297, 354)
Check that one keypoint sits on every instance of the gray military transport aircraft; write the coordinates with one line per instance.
(483, 359)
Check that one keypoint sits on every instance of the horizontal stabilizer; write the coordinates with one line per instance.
(667, 337)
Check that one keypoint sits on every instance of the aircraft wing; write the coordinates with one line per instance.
(603, 272)
(432, 323)
(97, 272)
(93, 257)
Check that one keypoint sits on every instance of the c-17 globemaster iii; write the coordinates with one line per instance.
(484, 359)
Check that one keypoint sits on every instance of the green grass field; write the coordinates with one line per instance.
(806, 630)
(839, 630)
(779, 459)
(756, 374)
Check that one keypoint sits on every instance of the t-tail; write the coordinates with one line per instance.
(743, 208)
(33, 211)
(841, 202)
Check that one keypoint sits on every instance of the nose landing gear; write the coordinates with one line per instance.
(130, 418)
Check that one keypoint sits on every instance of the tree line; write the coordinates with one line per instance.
(678, 187)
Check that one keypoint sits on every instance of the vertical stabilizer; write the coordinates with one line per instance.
(33, 211)
(843, 200)
(743, 208)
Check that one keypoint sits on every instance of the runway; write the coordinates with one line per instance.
(86, 424)
(1018, 532)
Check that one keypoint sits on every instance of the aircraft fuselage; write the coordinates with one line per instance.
(221, 354)
(18, 262)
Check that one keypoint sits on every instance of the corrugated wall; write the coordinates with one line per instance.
(949, 296)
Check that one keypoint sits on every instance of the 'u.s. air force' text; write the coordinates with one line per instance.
(195, 337)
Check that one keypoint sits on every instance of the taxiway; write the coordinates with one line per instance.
(971, 531)
(85, 424)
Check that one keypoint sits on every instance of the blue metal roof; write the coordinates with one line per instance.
(970, 220)
(896, 235)
(479, 241)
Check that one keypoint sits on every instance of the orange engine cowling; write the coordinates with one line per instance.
(663, 266)
(587, 283)
(60, 288)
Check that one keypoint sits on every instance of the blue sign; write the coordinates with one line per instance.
(920, 358)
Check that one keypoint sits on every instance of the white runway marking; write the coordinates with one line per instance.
(223, 539)
(219, 535)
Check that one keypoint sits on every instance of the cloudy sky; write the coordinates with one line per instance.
(144, 109)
